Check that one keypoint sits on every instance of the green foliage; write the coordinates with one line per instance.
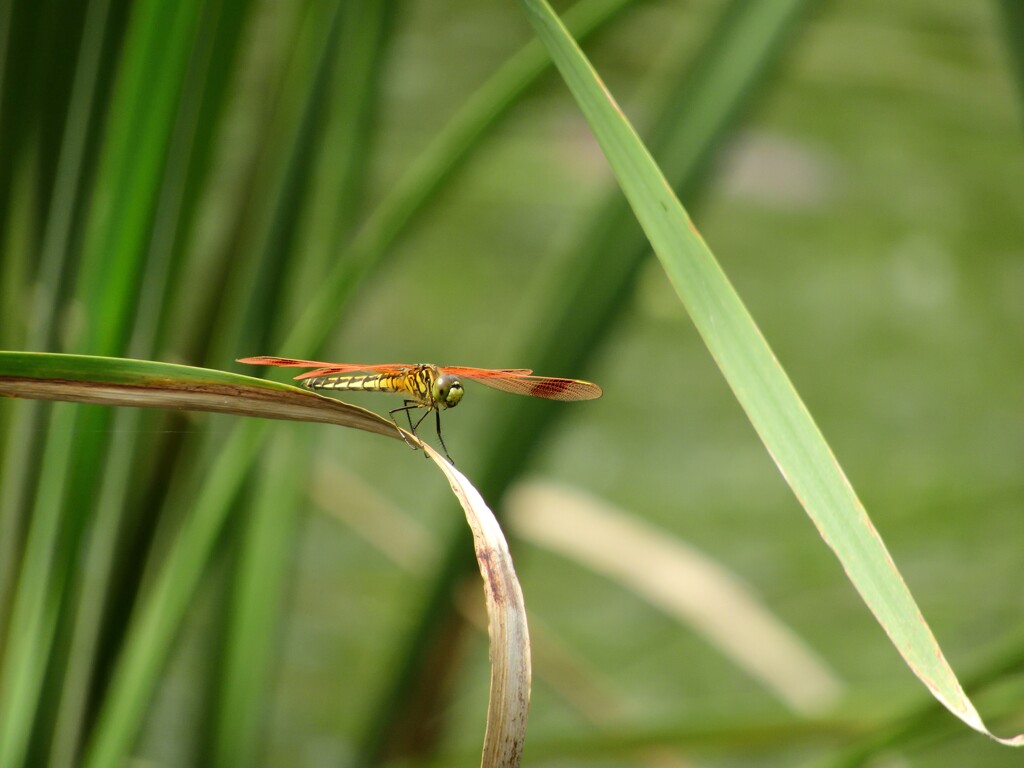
(200, 181)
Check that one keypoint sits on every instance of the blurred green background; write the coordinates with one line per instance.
(180, 183)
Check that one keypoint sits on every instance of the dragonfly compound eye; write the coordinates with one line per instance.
(449, 390)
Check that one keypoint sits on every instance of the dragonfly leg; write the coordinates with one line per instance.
(412, 429)
(437, 423)
(418, 422)
(410, 404)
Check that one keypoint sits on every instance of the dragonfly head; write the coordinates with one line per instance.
(447, 391)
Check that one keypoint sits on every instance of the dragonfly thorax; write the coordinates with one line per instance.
(447, 391)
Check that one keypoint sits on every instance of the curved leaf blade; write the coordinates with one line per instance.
(141, 383)
(146, 384)
(509, 702)
(772, 404)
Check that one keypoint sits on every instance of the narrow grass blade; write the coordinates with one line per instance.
(17, 443)
(40, 314)
(758, 381)
(92, 593)
(246, 309)
(36, 601)
(130, 174)
(280, 187)
(128, 177)
(254, 614)
(340, 178)
(509, 702)
(156, 621)
(19, 247)
(145, 384)
(97, 590)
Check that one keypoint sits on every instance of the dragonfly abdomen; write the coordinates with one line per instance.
(372, 382)
(416, 382)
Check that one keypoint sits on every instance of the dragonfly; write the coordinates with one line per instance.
(430, 387)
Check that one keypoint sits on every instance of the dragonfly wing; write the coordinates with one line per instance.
(322, 368)
(285, 362)
(479, 374)
(353, 368)
(548, 387)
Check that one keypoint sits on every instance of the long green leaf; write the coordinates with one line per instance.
(16, 449)
(129, 177)
(754, 374)
(96, 590)
(253, 627)
(147, 384)
(24, 431)
(36, 601)
(245, 313)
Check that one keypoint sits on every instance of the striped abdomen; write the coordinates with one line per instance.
(415, 383)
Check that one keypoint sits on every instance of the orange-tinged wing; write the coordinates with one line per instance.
(515, 380)
(485, 373)
(322, 368)
(518, 382)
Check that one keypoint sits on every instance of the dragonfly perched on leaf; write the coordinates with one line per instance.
(431, 387)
